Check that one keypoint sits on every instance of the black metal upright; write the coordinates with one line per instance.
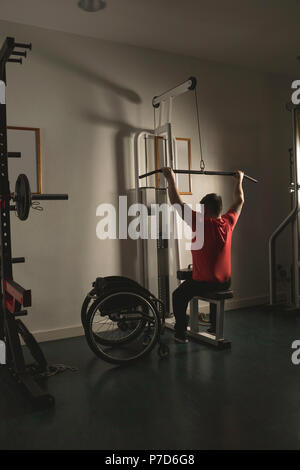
(6, 262)
(10, 325)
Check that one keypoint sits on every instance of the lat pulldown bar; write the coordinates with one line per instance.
(199, 172)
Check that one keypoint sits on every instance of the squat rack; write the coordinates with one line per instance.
(14, 298)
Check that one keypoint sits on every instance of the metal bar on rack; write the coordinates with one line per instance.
(14, 154)
(49, 197)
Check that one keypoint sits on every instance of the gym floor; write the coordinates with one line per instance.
(198, 398)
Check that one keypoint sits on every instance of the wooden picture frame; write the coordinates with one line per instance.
(30, 162)
(183, 161)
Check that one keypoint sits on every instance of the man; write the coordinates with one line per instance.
(212, 263)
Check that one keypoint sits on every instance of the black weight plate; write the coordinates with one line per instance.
(22, 197)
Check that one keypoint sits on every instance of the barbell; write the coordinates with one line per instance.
(23, 197)
(198, 172)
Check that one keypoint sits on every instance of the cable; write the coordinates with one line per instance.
(202, 163)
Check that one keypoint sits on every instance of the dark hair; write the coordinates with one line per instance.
(212, 203)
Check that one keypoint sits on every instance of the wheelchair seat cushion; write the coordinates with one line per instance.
(112, 284)
(116, 294)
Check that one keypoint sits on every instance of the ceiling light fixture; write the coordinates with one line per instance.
(91, 5)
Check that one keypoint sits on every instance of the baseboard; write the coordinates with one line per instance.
(61, 333)
(73, 331)
(234, 304)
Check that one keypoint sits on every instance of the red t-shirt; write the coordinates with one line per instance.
(212, 263)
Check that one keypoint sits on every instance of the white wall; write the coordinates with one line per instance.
(88, 96)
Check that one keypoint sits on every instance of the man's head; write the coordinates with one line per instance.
(212, 204)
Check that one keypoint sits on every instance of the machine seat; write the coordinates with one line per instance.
(217, 295)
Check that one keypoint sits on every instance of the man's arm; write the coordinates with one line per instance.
(238, 193)
(172, 188)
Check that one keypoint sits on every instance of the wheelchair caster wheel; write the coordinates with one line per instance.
(163, 350)
(146, 340)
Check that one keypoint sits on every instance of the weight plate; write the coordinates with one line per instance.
(22, 197)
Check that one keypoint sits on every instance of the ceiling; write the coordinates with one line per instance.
(260, 34)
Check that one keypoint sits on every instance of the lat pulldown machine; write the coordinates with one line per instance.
(149, 194)
(14, 298)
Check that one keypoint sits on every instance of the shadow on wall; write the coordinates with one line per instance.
(123, 164)
(126, 250)
(90, 76)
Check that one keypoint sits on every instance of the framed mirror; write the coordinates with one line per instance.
(26, 140)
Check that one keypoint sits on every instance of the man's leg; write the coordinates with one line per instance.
(181, 297)
(184, 293)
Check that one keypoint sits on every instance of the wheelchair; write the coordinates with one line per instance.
(122, 320)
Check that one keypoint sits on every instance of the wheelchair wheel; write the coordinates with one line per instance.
(117, 324)
(86, 304)
(127, 321)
